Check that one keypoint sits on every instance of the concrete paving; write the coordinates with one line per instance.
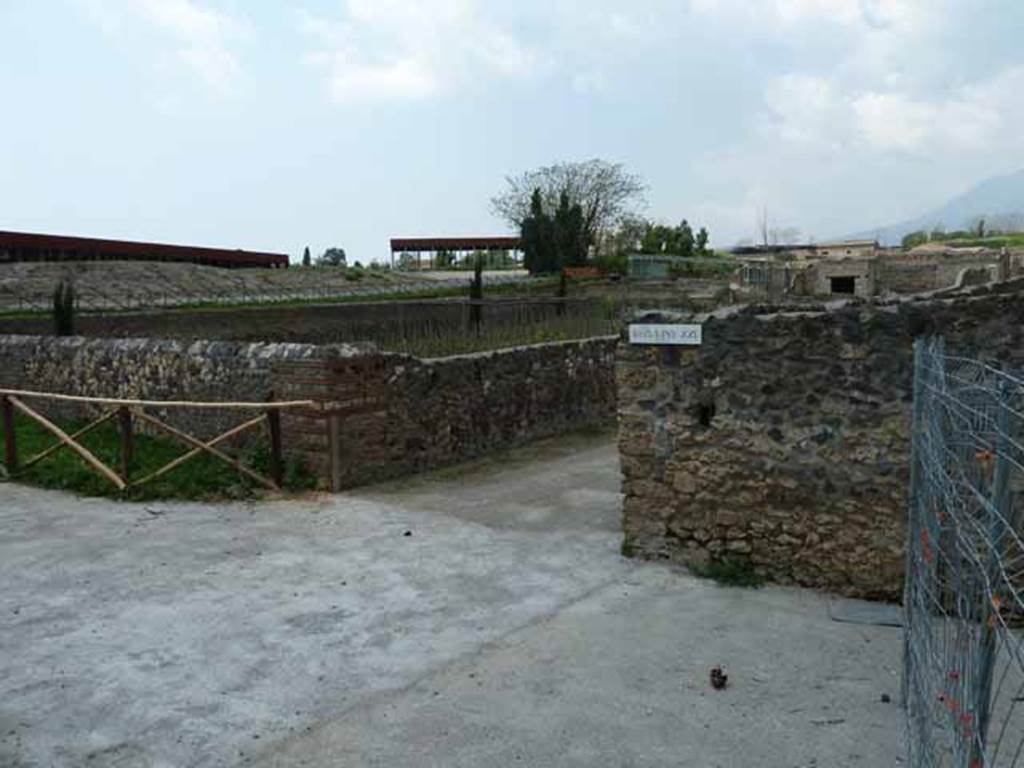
(481, 616)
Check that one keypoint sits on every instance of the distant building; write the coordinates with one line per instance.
(410, 249)
(809, 251)
(23, 246)
(653, 266)
(845, 267)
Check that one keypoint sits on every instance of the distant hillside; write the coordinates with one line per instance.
(992, 197)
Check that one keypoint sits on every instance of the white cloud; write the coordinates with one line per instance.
(202, 37)
(806, 110)
(195, 36)
(893, 121)
(386, 49)
(819, 113)
(872, 13)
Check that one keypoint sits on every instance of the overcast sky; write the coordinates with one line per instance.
(272, 125)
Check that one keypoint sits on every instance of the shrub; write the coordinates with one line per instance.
(64, 309)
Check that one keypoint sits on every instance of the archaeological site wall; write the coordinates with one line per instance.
(391, 415)
(783, 440)
(376, 415)
(312, 324)
(150, 369)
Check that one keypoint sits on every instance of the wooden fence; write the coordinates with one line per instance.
(127, 413)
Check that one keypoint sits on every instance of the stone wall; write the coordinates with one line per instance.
(377, 415)
(150, 369)
(393, 415)
(783, 440)
(859, 271)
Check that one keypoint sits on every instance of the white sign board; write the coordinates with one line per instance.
(674, 335)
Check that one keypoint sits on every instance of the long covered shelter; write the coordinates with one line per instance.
(407, 247)
(24, 246)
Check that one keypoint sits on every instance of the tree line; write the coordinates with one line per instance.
(576, 213)
(979, 228)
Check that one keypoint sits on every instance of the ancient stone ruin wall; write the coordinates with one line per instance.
(150, 369)
(376, 415)
(393, 415)
(783, 440)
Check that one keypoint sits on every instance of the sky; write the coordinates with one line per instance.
(277, 125)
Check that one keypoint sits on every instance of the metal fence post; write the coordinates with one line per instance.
(999, 514)
(920, 347)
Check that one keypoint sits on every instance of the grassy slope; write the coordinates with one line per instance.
(997, 242)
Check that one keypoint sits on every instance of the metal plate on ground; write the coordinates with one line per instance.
(863, 612)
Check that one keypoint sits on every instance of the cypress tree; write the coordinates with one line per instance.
(64, 309)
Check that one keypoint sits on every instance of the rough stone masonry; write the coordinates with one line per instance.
(783, 440)
(376, 415)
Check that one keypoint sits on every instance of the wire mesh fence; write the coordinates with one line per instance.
(153, 285)
(963, 681)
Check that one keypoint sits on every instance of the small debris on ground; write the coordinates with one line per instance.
(886, 698)
(407, 533)
(718, 678)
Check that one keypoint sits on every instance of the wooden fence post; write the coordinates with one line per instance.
(276, 457)
(333, 424)
(124, 419)
(10, 440)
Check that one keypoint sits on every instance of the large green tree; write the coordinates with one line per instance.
(333, 257)
(674, 241)
(701, 243)
(571, 240)
(536, 234)
(605, 192)
(552, 241)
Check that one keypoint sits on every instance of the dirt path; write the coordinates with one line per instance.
(480, 617)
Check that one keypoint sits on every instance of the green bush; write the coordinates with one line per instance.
(613, 263)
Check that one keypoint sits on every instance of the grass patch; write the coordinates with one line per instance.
(201, 478)
(730, 572)
(995, 242)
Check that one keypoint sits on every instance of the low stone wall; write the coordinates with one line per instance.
(151, 369)
(377, 415)
(393, 415)
(783, 440)
(915, 273)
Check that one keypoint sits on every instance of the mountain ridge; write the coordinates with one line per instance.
(994, 196)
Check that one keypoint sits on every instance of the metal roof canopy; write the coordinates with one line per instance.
(421, 244)
(95, 248)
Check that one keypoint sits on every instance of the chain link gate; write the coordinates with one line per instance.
(963, 671)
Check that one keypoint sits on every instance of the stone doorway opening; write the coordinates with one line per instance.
(846, 285)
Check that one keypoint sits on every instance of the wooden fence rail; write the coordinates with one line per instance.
(127, 413)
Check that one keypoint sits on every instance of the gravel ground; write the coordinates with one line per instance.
(477, 617)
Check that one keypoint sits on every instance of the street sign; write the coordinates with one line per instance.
(671, 335)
